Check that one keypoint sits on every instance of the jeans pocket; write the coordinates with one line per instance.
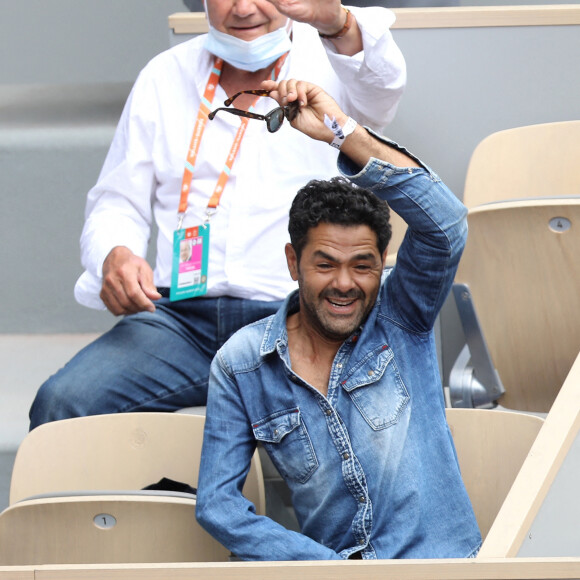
(285, 438)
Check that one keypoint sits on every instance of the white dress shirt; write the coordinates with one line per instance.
(140, 181)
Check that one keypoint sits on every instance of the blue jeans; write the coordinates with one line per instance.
(148, 361)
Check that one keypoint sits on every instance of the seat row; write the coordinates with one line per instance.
(77, 487)
(77, 496)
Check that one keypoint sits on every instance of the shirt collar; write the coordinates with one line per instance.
(276, 331)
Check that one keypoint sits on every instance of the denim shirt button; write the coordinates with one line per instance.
(371, 373)
(328, 411)
(361, 542)
(362, 499)
(345, 456)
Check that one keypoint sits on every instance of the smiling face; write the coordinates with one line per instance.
(339, 275)
(244, 19)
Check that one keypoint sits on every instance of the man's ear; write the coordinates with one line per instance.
(292, 261)
(385, 254)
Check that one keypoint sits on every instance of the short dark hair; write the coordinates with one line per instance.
(337, 201)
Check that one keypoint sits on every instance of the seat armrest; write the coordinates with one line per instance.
(474, 381)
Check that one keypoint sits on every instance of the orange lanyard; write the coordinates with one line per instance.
(198, 130)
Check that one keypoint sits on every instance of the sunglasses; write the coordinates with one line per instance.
(274, 118)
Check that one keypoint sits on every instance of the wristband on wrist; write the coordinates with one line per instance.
(344, 29)
(340, 133)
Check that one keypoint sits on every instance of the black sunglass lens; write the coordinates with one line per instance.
(274, 119)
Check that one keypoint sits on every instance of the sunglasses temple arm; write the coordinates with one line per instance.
(238, 112)
(258, 92)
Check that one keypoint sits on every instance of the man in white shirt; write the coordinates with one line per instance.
(169, 166)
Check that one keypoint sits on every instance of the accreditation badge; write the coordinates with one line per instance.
(190, 258)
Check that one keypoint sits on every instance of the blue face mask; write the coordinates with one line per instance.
(249, 55)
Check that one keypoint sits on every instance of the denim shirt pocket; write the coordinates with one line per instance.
(376, 388)
(288, 444)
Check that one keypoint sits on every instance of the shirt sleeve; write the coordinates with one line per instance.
(118, 210)
(221, 507)
(374, 79)
(429, 255)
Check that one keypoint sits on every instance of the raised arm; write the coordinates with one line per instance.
(428, 258)
(316, 106)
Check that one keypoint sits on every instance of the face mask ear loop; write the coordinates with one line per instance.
(289, 24)
(206, 10)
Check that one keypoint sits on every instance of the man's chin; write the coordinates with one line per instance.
(343, 330)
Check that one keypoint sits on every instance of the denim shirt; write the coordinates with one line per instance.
(371, 466)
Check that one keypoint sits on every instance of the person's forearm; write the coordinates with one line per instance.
(412, 189)
(428, 257)
(373, 80)
(321, 118)
(221, 509)
(361, 145)
(346, 36)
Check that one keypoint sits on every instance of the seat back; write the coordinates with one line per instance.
(521, 265)
(491, 447)
(398, 231)
(105, 529)
(125, 451)
(511, 164)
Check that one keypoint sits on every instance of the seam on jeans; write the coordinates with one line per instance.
(129, 409)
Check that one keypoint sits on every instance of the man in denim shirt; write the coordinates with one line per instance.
(342, 386)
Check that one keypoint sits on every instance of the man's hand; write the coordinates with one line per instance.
(127, 283)
(327, 16)
(359, 146)
(314, 104)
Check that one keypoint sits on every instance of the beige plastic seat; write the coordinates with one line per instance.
(102, 529)
(522, 269)
(125, 451)
(491, 448)
(524, 162)
(87, 474)
(398, 229)
(511, 164)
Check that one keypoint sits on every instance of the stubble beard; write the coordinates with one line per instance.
(330, 326)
